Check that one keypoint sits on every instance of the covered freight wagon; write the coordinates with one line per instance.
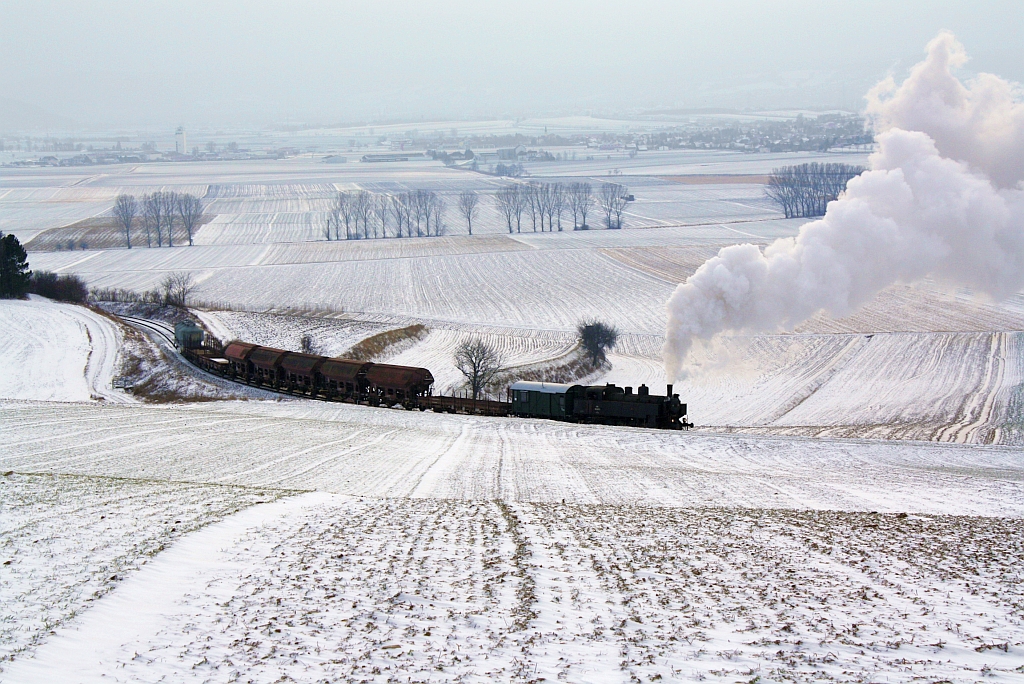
(301, 371)
(266, 365)
(397, 384)
(343, 378)
(237, 355)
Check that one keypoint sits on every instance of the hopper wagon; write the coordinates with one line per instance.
(381, 384)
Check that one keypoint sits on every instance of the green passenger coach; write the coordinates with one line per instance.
(539, 399)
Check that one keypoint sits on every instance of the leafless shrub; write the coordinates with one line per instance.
(178, 288)
(307, 345)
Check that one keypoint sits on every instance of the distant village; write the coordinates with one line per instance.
(479, 152)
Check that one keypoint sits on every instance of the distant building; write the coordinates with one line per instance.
(180, 145)
(407, 156)
(511, 153)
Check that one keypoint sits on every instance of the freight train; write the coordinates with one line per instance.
(381, 384)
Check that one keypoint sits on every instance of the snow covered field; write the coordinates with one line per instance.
(378, 452)
(321, 587)
(66, 541)
(56, 352)
(430, 547)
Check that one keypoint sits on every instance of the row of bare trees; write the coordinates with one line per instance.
(806, 189)
(548, 202)
(159, 212)
(363, 215)
(613, 203)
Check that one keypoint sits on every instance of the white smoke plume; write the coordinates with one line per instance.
(942, 198)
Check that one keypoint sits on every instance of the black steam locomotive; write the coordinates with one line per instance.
(604, 404)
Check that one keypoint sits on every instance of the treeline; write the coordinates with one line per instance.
(63, 288)
(158, 213)
(362, 215)
(176, 289)
(552, 201)
(805, 190)
(17, 279)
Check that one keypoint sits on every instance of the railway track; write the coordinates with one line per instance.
(439, 404)
(165, 331)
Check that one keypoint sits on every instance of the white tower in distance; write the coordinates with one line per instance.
(180, 145)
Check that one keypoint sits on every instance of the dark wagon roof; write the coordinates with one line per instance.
(239, 351)
(301, 364)
(266, 357)
(385, 375)
(343, 370)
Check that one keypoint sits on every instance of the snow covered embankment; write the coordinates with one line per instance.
(57, 352)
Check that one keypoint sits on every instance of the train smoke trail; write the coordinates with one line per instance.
(942, 198)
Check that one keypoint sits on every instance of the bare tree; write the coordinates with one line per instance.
(571, 201)
(596, 337)
(328, 226)
(415, 204)
(582, 201)
(190, 210)
(619, 206)
(125, 210)
(381, 208)
(438, 208)
(505, 199)
(345, 207)
(362, 210)
(468, 201)
(400, 210)
(519, 201)
(480, 363)
(532, 202)
(168, 200)
(178, 288)
(334, 216)
(152, 218)
(423, 209)
(805, 190)
(558, 202)
(613, 203)
(547, 203)
(308, 345)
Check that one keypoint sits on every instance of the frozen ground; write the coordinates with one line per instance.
(284, 200)
(358, 450)
(57, 352)
(331, 588)
(440, 548)
(65, 541)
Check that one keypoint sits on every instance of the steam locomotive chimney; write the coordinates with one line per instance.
(668, 392)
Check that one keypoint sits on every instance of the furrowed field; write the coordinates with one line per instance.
(848, 509)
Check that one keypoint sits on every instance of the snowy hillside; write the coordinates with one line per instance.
(56, 352)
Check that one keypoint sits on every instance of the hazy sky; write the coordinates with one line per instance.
(150, 63)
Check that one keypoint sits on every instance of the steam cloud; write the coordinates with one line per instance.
(942, 197)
